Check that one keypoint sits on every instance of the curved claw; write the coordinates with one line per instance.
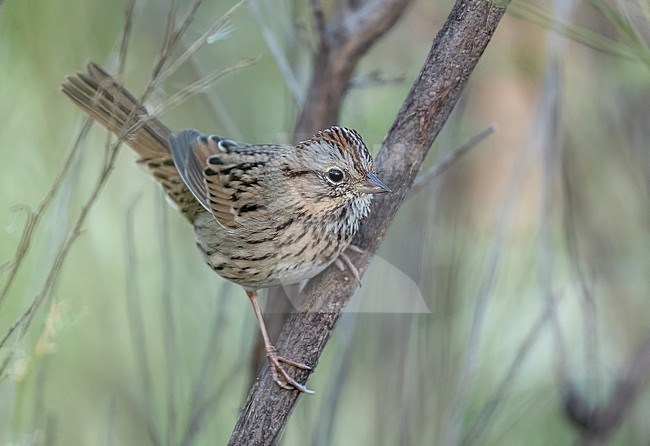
(355, 248)
(280, 375)
(298, 365)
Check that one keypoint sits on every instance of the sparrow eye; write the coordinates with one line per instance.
(335, 175)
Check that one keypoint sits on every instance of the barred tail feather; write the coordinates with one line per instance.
(106, 101)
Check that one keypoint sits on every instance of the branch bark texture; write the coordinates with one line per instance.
(453, 56)
(343, 40)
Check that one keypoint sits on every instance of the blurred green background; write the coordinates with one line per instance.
(138, 342)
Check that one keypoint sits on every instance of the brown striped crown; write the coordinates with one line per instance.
(348, 142)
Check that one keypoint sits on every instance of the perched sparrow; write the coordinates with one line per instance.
(264, 215)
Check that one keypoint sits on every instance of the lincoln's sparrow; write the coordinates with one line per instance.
(264, 215)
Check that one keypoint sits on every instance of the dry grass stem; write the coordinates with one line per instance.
(198, 86)
(126, 34)
(296, 89)
(34, 218)
(425, 178)
(374, 79)
(158, 79)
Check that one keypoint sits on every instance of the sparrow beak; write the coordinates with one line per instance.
(372, 185)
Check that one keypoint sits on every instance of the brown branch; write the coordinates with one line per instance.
(342, 44)
(453, 56)
(319, 21)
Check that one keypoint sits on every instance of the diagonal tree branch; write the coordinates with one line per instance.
(453, 56)
(342, 43)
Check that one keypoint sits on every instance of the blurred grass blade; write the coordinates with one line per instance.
(591, 39)
(222, 33)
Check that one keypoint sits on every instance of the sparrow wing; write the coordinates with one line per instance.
(223, 175)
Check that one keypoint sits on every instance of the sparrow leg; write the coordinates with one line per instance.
(355, 248)
(343, 261)
(280, 375)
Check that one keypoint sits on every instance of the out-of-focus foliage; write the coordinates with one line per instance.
(137, 336)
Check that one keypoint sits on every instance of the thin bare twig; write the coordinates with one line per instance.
(185, 24)
(171, 25)
(25, 319)
(156, 81)
(374, 79)
(34, 218)
(279, 54)
(170, 40)
(425, 178)
(198, 86)
(126, 34)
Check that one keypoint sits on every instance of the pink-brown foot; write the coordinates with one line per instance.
(280, 375)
